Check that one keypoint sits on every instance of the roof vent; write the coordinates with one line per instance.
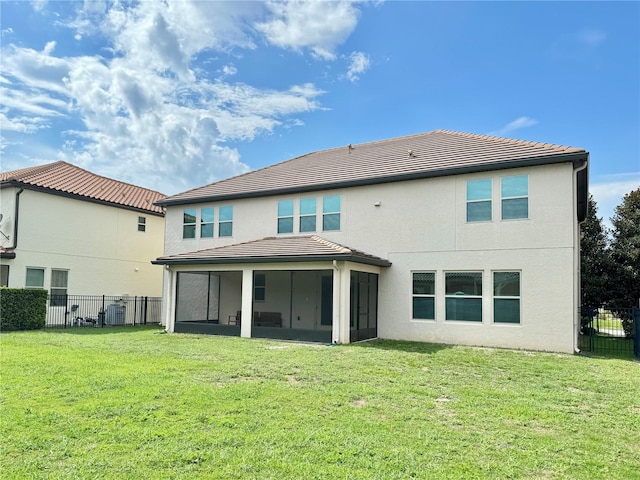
(350, 147)
(411, 154)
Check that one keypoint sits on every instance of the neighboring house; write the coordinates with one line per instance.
(440, 237)
(72, 232)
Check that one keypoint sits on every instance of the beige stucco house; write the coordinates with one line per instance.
(73, 232)
(438, 237)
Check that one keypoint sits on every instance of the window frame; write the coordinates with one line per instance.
(189, 225)
(58, 299)
(26, 278)
(259, 287)
(206, 222)
(416, 296)
(473, 201)
(508, 298)
(224, 222)
(510, 198)
(460, 295)
(329, 213)
(142, 224)
(307, 215)
(286, 215)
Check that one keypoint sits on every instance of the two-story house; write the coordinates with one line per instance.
(440, 237)
(72, 232)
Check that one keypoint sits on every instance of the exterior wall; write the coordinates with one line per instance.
(421, 225)
(99, 245)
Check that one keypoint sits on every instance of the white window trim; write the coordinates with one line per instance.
(420, 295)
(493, 297)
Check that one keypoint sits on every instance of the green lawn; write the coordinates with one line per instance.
(130, 403)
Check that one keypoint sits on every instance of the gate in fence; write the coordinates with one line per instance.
(68, 311)
(610, 330)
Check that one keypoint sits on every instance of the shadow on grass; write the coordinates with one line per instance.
(403, 346)
(102, 330)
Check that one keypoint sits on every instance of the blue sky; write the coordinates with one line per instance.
(174, 95)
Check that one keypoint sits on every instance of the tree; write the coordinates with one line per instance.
(625, 252)
(595, 261)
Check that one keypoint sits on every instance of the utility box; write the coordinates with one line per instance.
(115, 314)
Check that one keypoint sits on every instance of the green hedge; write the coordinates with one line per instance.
(22, 309)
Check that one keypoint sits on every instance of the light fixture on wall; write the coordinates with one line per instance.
(377, 204)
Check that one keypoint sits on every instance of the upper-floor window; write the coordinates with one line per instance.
(479, 200)
(307, 215)
(189, 223)
(285, 216)
(59, 284)
(206, 222)
(463, 296)
(506, 297)
(225, 221)
(35, 278)
(331, 212)
(424, 295)
(142, 224)
(515, 197)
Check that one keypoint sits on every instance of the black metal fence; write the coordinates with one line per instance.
(610, 330)
(71, 311)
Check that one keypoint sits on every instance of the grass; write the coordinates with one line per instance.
(130, 403)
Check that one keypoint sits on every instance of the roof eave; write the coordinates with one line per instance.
(380, 262)
(502, 165)
(51, 191)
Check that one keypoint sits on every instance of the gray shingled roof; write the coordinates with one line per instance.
(62, 178)
(271, 249)
(436, 153)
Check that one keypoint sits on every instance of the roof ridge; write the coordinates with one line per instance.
(330, 244)
(30, 171)
(508, 140)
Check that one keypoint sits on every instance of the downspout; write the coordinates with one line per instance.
(577, 169)
(15, 221)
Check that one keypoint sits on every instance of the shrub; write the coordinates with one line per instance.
(22, 309)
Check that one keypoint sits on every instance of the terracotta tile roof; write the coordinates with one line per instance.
(271, 249)
(440, 152)
(66, 179)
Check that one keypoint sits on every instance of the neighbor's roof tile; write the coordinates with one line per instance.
(272, 249)
(62, 177)
(439, 152)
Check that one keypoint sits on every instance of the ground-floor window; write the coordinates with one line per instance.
(463, 296)
(59, 284)
(35, 278)
(424, 295)
(4, 275)
(506, 297)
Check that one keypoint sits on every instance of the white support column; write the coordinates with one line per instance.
(169, 299)
(341, 303)
(247, 303)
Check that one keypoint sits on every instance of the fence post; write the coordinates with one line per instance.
(135, 309)
(636, 331)
(145, 305)
(104, 313)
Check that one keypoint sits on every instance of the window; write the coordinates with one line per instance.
(506, 297)
(142, 224)
(479, 200)
(307, 215)
(35, 278)
(206, 222)
(463, 296)
(331, 213)
(259, 287)
(515, 197)
(424, 299)
(4, 275)
(225, 221)
(285, 216)
(189, 223)
(59, 282)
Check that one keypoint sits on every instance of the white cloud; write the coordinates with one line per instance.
(608, 191)
(591, 37)
(144, 112)
(518, 123)
(318, 26)
(360, 63)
